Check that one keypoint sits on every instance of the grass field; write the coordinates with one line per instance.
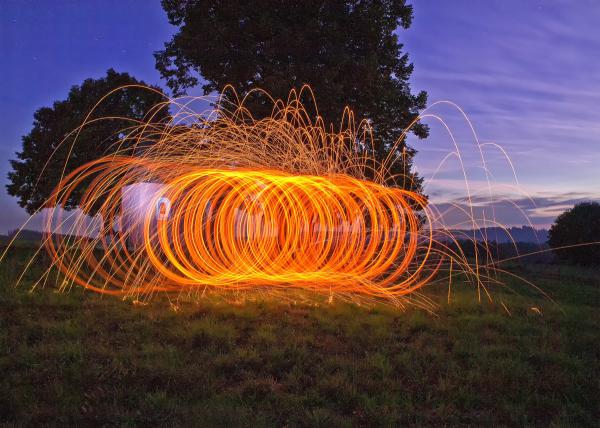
(79, 359)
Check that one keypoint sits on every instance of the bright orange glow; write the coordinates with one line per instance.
(240, 229)
(225, 204)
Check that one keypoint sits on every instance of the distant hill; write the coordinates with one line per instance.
(523, 234)
(26, 238)
(26, 235)
(499, 235)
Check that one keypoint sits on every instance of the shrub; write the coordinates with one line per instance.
(576, 226)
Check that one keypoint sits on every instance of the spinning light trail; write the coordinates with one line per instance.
(240, 205)
(238, 229)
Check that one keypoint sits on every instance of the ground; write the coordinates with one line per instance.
(76, 358)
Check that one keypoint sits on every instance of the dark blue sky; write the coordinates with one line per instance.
(527, 73)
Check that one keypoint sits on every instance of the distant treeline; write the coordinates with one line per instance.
(25, 235)
(496, 249)
(520, 252)
(500, 235)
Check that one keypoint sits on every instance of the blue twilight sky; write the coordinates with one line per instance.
(527, 74)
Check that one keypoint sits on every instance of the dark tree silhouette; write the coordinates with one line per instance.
(579, 225)
(347, 51)
(49, 145)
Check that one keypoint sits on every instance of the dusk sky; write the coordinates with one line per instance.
(527, 74)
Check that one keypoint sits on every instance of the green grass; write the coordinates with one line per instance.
(78, 359)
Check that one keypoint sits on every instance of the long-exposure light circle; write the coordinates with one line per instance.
(242, 229)
(232, 204)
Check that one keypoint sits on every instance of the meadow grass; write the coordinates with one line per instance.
(82, 359)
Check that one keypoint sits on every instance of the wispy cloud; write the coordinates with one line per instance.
(527, 76)
(507, 210)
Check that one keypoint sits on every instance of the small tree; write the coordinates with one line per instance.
(50, 149)
(578, 225)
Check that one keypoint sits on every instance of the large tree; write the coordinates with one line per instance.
(52, 147)
(347, 51)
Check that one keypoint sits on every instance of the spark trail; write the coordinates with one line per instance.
(245, 205)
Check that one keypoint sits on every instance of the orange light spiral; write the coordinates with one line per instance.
(241, 229)
(235, 204)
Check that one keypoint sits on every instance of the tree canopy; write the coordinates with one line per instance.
(578, 225)
(51, 147)
(347, 51)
